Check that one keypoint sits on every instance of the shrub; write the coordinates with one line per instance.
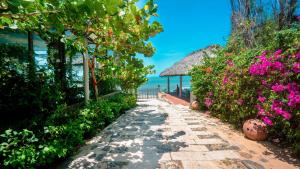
(278, 104)
(63, 132)
(19, 148)
(236, 87)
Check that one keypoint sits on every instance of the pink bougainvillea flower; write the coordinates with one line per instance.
(286, 115)
(262, 67)
(276, 105)
(230, 63)
(225, 80)
(267, 120)
(208, 102)
(298, 55)
(261, 99)
(292, 87)
(278, 66)
(278, 88)
(277, 54)
(261, 112)
(296, 67)
(264, 53)
(264, 82)
(298, 17)
(258, 107)
(240, 101)
(294, 98)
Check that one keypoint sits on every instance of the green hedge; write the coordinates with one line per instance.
(62, 133)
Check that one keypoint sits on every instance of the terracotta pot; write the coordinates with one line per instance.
(255, 129)
(195, 105)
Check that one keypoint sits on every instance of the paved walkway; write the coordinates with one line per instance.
(159, 135)
(174, 100)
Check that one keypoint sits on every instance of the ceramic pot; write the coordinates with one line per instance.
(255, 129)
(195, 105)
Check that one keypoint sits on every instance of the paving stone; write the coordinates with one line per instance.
(194, 148)
(111, 165)
(199, 129)
(131, 129)
(127, 137)
(200, 133)
(207, 136)
(199, 156)
(190, 119)
(245, 155)
(231, 163)
(214, 147)
(176, 135)
(173, 164)
(164, 130)
(252, 165)
(199, 165)
(99, 157)
(209, 141)
(94, 146)
(106, 148)
(121, 149)
(170, 147)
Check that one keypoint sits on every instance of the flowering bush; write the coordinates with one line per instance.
(241, 86)
(279, 94)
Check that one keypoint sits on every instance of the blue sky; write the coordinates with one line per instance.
(188, 25)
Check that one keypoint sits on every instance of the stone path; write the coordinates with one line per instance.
(159, 135)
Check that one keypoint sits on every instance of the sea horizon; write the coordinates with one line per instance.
(155, 81)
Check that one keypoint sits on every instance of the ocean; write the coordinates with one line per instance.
(153, 82)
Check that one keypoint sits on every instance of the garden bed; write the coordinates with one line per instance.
(61, 134)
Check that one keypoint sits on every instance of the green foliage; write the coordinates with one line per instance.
(20, 96)
(63, 132)
(19, 148)
(208, 83)
(117, 26)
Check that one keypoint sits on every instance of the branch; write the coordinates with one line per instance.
(17, 16)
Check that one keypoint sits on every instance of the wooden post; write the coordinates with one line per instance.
(147, 93)
(180, 88)
(168, 84)
(86, 76)
(158, 91)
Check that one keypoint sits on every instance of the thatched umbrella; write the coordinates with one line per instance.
(182, 67)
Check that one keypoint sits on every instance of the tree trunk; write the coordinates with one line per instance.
(62, 66)
(92, 67)
(86, 76)
(31, 67)
(281, 19)
(291, 11)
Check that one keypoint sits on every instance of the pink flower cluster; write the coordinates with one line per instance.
(267, 64)
(208, 102)
(296, 67)
(277, 108)
(230, 63)
(276, 74)
(294, 98)
(278, 88)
